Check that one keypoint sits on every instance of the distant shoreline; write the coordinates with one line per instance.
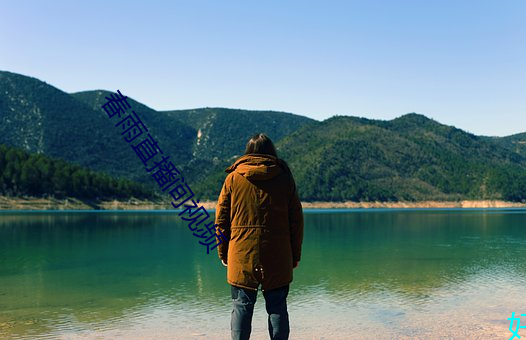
(33, 203)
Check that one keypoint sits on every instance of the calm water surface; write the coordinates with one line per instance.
(365, 274)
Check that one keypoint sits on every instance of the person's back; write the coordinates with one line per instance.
(260, 215)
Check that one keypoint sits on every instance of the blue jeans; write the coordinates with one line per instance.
(243, 308)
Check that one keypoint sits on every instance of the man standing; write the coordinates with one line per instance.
(261, 218)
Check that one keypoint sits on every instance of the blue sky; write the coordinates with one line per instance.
(462, 63)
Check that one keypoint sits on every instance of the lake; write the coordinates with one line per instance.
(364, 274)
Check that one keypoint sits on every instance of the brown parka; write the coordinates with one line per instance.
(261, 218)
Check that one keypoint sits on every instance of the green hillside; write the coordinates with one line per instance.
(515, 143)
(409, 158)
(174, 136)
(22, 173)
(342, 158)
(37, 117)
(223, 133)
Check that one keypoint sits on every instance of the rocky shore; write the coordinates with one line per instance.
(32, 203)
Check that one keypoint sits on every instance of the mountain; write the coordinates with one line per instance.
(40, 118)
(342, 158)
(174, 137)
(408, 158)
(221, 136)
(515, 143)
(223, 133)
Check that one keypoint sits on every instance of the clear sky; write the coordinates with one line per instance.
(460, 62)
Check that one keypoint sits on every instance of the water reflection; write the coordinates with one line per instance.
(388, 271)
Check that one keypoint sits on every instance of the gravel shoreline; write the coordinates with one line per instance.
(32, 203)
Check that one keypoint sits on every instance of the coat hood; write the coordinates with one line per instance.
(258, 167)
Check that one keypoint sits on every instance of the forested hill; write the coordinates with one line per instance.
(40, 118)
(342, 158)
(515, 143)
(25, 174)
(222, 132)
(408, 158)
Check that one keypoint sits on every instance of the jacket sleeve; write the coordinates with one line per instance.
(223, 218)
(295, 222)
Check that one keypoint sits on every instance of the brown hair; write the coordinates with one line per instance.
(261, 144)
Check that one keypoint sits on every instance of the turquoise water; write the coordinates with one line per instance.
(364, 274)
